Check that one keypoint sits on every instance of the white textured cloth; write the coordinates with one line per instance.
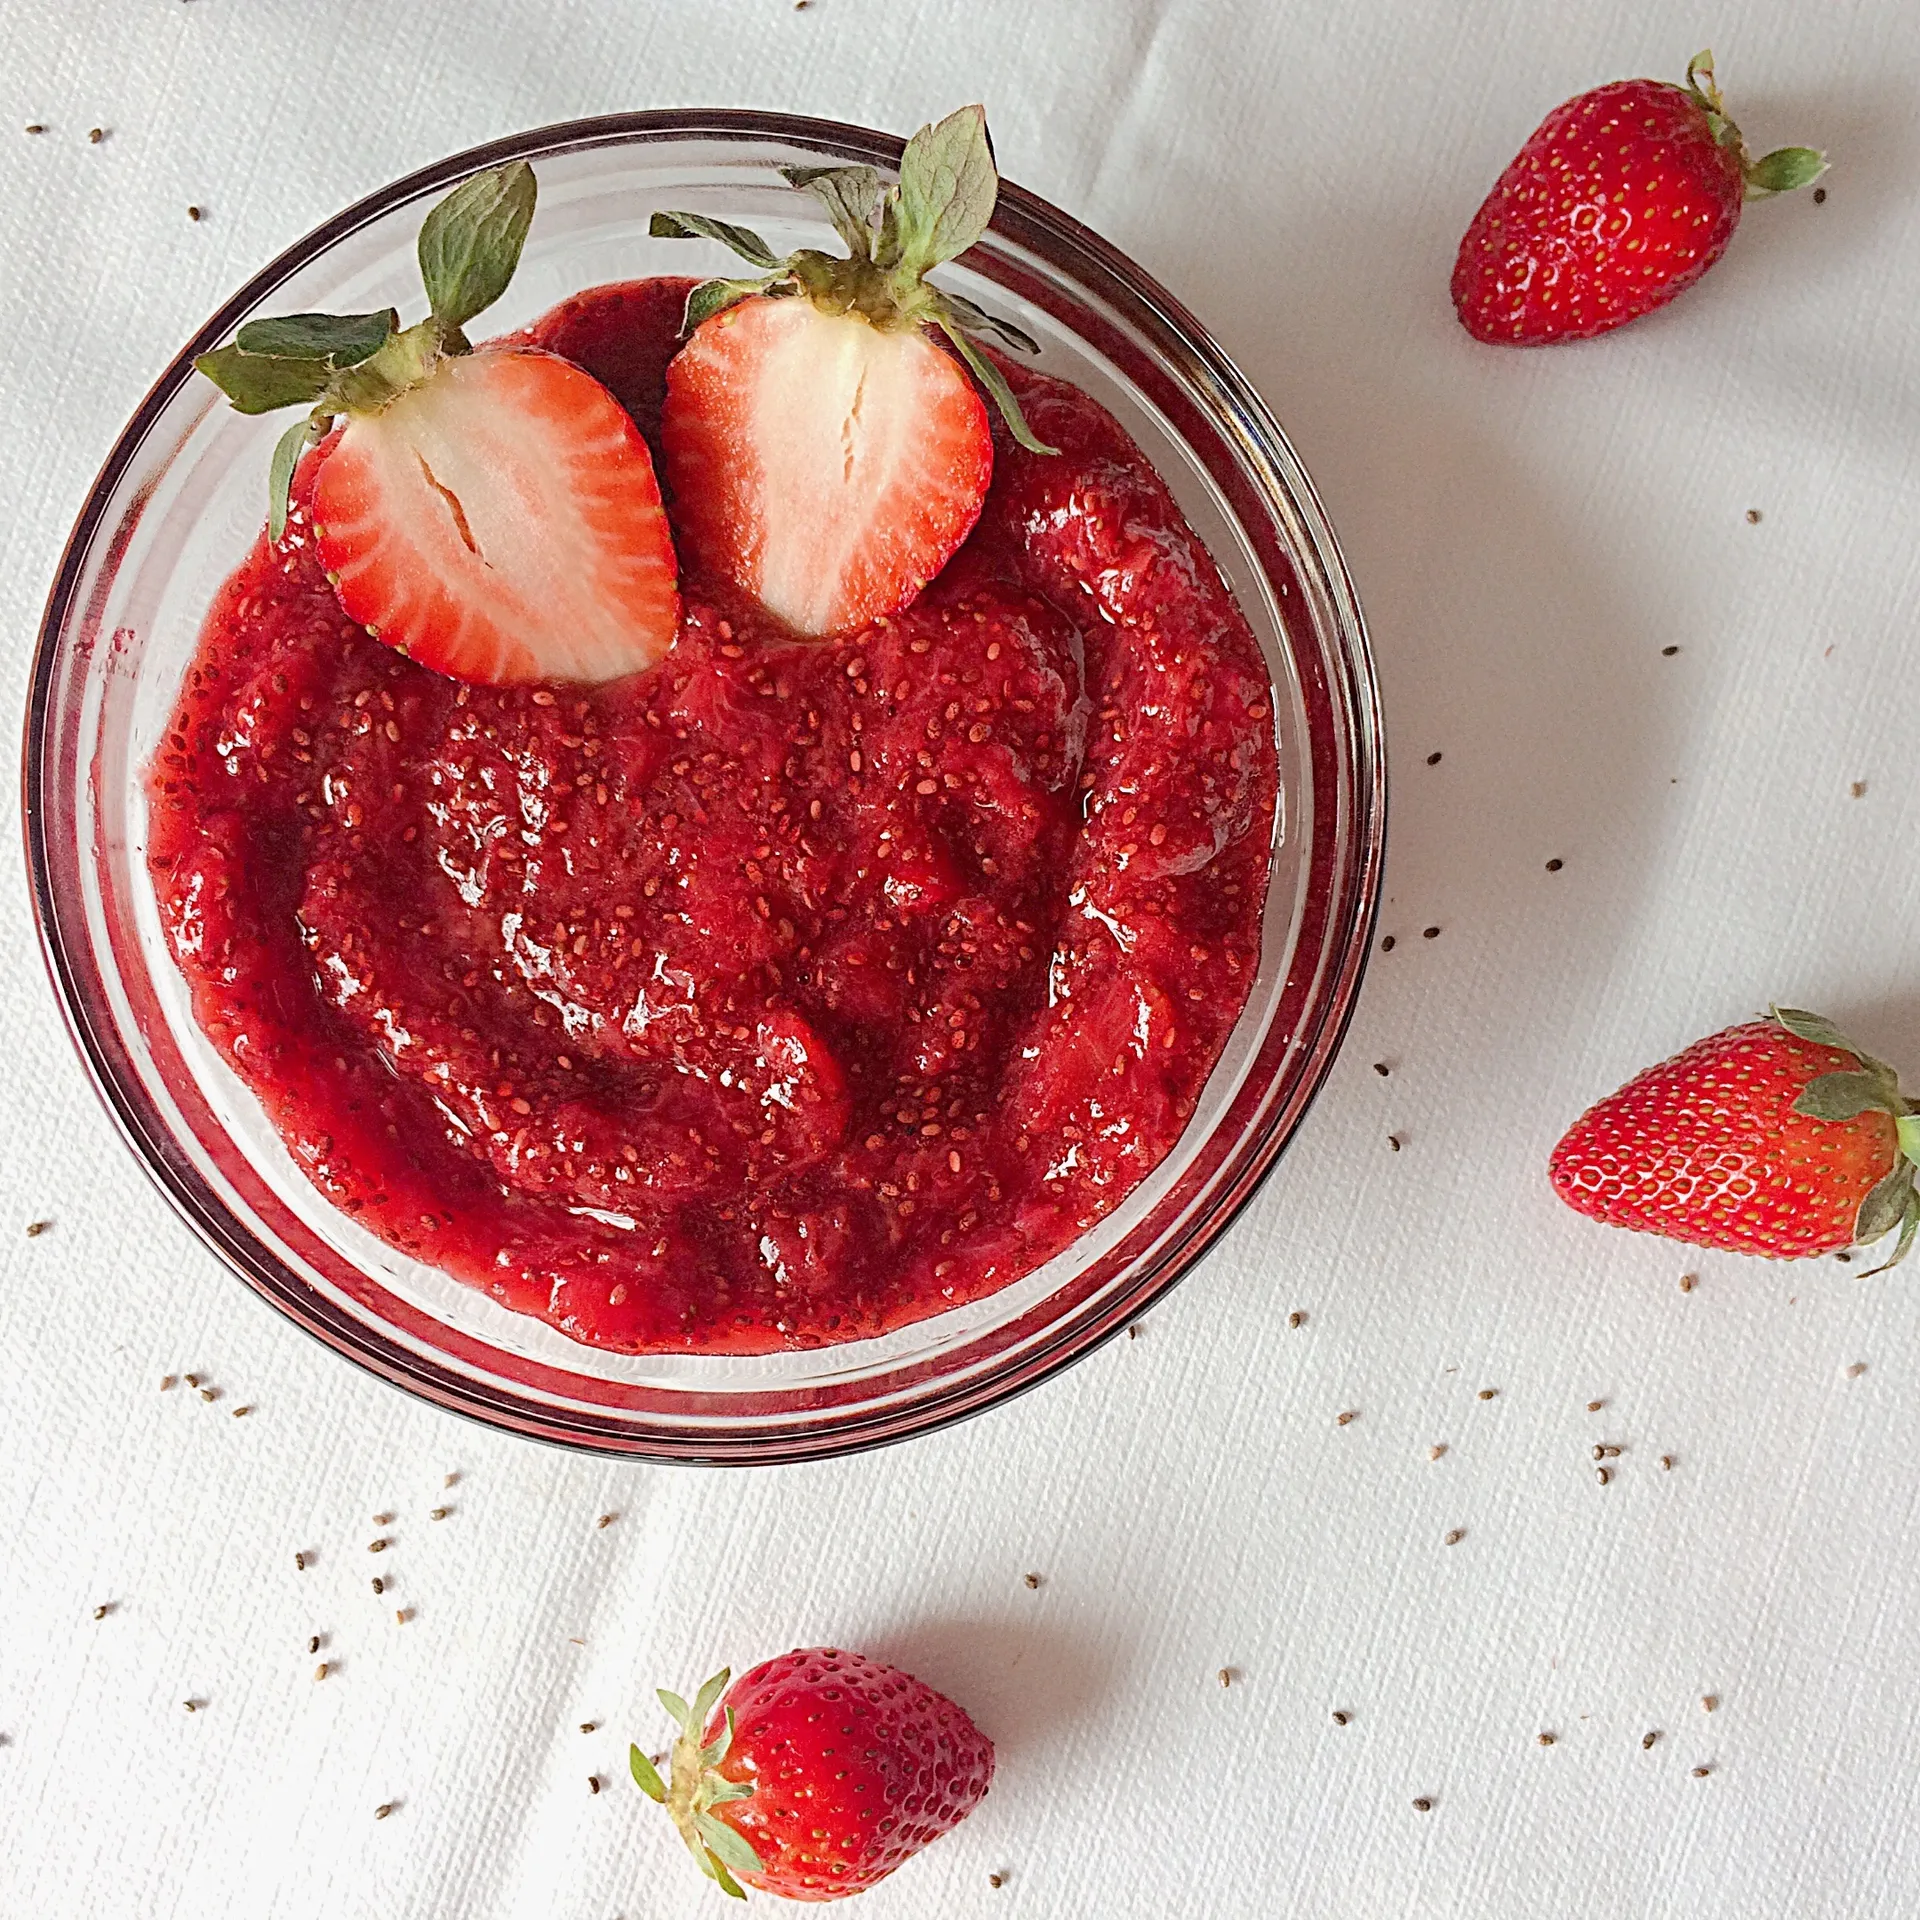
(1532, 536)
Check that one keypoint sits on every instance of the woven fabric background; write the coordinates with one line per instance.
(1532, 535)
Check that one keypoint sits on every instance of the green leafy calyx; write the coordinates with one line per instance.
(695, 1786)
(346, 363)
(1870, 1086)
(895, 236)
(1781, 171)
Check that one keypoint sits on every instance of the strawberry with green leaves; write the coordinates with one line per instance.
(825, 454)
(816, 1774)
(1622, 198)
(492, 513)
(1780, 1137)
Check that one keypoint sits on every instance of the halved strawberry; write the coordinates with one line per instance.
(825, 454)
(500, 522)
(493, 514)
(829, 468)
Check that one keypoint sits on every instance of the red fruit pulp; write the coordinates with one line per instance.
(782, 994)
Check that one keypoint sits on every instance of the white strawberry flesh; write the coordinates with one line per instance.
(500, 522)
(827, 466)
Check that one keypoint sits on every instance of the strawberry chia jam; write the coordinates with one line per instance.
(779, 995)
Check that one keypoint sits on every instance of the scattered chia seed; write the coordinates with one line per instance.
(193, 213)
(1753, 516)
(383, 1809)
(1700, 1773)
(192, 1706)
(993, 1879)
(1226, 1676)
(1819, 193)
(1345, 1419)
(36, 126)
(1606, 1453)
(605, 1520)
(439, 1513)
(1856, 1370)
(379, 1586)
(193, 1379)
(588, 1726)
(1393, 1143)
(452, 1479)
(1033, 1579)
(1423, 1806)
(299, 1563)
(1667, 653)
(1554, 866)
(240, 1413)
(383, 1519)
(1646, 1742)
(101, 1612)
(313, 1643)
(1603, 1476)
(1454, 1538)
(1687, 1281)
(209, 1393)
(593, 1783)
(166, 1383)
(401, 1615)
(1340, 1719)
(320, 1672)
(1436, 1450)
(376, 1546)
(1429, 933)
(1487, 1393)
(1133, 1332)
(1858, 789)
(1433, 759)
(1296, 1319)
(1708, 1701)
(95, 135)
(1545, 1739)
(35, 1228)
(1594, 1406)
(1387, 944)
(1381, 1068)
(1666, 1463)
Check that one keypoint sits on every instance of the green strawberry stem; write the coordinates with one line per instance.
(1871, 1086)
(336, 364)
(1781, 171)
(694, 1787)
(941, 204)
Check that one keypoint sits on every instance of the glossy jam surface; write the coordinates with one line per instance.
(778, 996)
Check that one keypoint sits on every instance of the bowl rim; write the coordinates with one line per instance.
(1350, 918)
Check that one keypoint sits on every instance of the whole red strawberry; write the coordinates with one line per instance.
(1779, 1137)
(1622, 198)
(816, 1774)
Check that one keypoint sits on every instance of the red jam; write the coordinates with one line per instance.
(780, 995)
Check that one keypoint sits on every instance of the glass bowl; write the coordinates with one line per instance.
(173, 511)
